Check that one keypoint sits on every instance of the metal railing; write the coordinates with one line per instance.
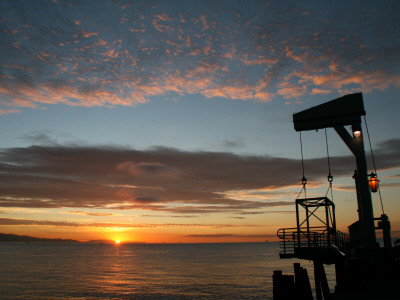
(323, 237)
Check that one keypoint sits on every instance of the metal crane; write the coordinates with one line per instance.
(338, 113)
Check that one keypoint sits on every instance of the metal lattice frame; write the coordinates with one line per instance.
(317, 227)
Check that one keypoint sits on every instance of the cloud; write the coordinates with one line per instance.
(39, 138)
(142, 167)
(26, 222)
(160, 179)
(230, 144)
(123, 55)
(288, 90)
(393, 176)
(228, 235)
(9, 111)
(16, 222)
(77, 212)
(316, 91)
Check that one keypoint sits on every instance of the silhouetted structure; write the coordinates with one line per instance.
(359, 261)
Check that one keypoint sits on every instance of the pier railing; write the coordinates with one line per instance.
(311, 237)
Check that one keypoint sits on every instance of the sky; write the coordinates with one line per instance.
(171, 121)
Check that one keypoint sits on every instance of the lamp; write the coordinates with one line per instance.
(356, 128)
(357, 133)
(373, 182)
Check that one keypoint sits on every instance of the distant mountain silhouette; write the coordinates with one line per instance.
(5, 237)
(100, 242)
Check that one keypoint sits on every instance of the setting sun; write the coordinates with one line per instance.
(117, 241)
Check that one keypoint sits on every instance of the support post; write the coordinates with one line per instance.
(384, 224)
(302, 283)
(327, 224)
(298, 224)
(340, 270)
(365, 210)
(283, 286)
(334, 223)
(321, 282)
(308, 227)
(318, 290)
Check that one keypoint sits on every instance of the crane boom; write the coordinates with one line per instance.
(342, 111)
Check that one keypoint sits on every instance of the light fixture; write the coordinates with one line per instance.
(373, 182)
(357, 133)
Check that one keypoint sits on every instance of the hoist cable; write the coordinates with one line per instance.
(327, 154)
(300, 192)
(330, 177)
(304, 179)
(373, 162)
(302, 157)
(369, 141)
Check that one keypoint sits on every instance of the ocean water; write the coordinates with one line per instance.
(142, 271)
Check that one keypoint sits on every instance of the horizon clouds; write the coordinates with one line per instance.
(160, 179)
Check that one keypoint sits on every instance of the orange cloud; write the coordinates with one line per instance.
(263, 96)
(289, 90)
(290, 54)
(77, 212)
(111, 53)
(316, 91)
(9, 111)
(203, 19)
(16, 222)
(365, 81)
(260, 61)
(89, 34)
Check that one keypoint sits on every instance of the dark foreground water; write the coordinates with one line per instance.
(149, 271)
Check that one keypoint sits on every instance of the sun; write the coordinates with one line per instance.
(117, 241)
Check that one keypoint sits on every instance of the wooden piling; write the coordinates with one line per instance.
(302, 283)
(289, 287)
(283, 286)
(321, 282)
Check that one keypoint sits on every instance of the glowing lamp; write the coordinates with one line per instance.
(357, 133)
(373, 182)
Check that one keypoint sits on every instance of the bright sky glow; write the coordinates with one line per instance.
(170, 121)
